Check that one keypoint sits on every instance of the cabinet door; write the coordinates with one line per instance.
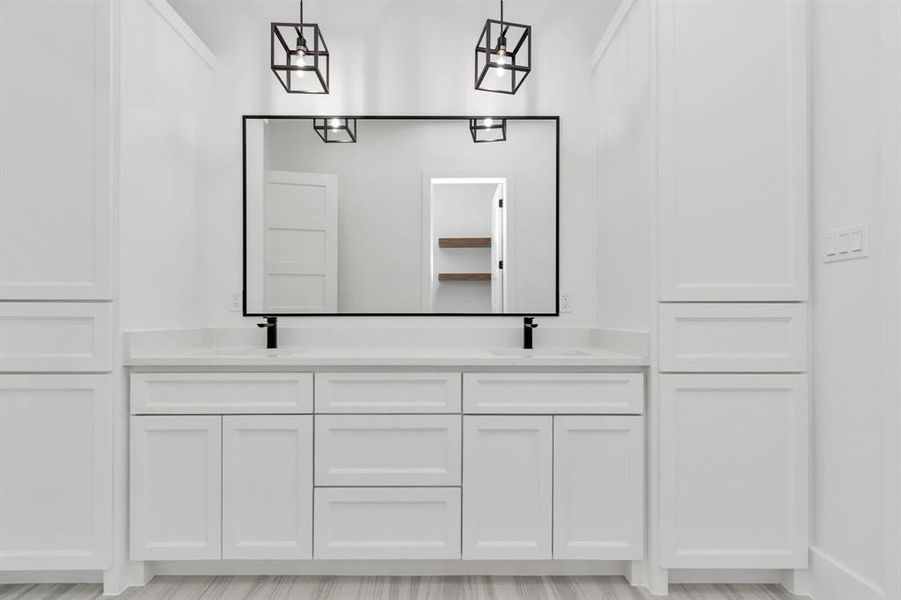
(733, 471)
(175, 487)
(733, 167)
(267, 487)
(507, 487)
(55, 152)
(55, 466)
(598, 488)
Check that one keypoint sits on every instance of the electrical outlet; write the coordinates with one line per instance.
(234, 304)
(565, 302)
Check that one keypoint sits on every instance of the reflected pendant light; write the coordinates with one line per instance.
(488, 129)
(336, 130)
(299, 57)
(503, 57)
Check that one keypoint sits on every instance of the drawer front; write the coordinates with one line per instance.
(553, 393)
(53, 337)
(388, 450)
(733, 337)
(387, 523)
(387, 392)
(221, 393)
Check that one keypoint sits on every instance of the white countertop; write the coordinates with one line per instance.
(386, 356)
(379, 347)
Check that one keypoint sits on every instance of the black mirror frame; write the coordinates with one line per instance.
(464, 121)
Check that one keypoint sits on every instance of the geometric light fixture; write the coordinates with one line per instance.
(503, 57)
(488, 129)
(336, 130)
(299, 57)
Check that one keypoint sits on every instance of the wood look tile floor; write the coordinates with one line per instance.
(391, 588)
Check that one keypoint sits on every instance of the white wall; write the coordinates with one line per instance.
(405, 58)
(164, 146)
(622, 89)
(856, 153)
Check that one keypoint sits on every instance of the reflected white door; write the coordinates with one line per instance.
(300, 218)
(497, 250)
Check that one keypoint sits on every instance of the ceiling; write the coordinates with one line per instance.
(217, 21)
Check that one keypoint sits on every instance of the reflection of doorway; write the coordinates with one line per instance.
(464, 241)
(300, 242)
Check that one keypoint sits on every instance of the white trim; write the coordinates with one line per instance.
(616, 22)
(184, 30)
(833, 580)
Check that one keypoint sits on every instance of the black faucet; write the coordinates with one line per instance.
(528, 325)
(271, 326)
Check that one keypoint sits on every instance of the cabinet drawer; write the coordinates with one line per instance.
(388, 450)
(55, 336)
(221, 393)
(553, 393)
(387, 523)
(387, 392)
(733, 337)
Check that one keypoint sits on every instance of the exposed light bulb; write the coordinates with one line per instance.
(299, 62)
(502, 60)
(334, 123)
(489, 122)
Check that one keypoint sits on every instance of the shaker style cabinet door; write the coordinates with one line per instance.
(733, 166)
(734, 464)
(267, 487)
(176, 494)
(507, 487)
(56, 444)
(55, 151)
(598, 488)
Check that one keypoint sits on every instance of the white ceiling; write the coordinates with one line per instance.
(216, 21)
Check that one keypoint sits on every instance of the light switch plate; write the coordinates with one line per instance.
(847, 243)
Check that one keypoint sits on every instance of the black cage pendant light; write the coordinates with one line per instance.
(299, 56)
(503, 57)
(488, 129)
(341, 130)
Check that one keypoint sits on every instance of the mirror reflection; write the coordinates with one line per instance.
(407, 216)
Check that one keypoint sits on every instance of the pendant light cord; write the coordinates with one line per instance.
(301, 13)
(502, 13)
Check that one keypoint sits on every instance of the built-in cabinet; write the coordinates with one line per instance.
(703, 137)
(57, 136)
(209, 481)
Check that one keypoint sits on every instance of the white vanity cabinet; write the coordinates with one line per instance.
(399, 466)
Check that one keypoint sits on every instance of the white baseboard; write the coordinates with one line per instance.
(830, 579)
(387, 567)
(13, 577)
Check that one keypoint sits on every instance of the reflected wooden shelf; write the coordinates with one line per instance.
(464, 242)
(464, 276)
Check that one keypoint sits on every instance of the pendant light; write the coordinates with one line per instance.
(299, 57)
(336, 130)
(503, 57)
(488, 129)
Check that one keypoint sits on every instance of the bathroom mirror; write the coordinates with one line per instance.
(444, 216)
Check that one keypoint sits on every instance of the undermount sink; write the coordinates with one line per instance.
(541, 352)
(253, 351)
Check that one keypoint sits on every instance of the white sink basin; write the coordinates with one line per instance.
(252, 352)
(540, 352)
